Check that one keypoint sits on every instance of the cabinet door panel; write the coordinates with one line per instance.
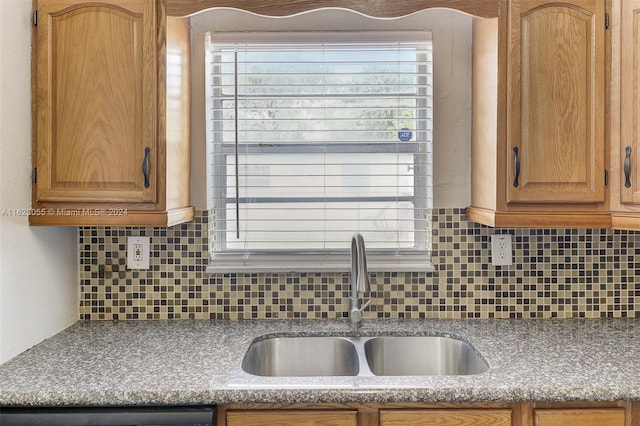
(291, 418)
(483, 417)
(556, 98)
(582, 417)
(95, 101)
(630, 100)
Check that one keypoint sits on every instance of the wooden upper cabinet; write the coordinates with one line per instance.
(625, 107)
(630, 101)
(538, 137)
(109, 147)
(556, 102)
(96, 96)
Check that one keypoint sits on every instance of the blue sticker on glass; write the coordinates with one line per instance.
(405, 135)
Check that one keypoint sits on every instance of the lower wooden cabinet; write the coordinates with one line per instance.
(456, 417)
(291, 418)
(620, 413)
(582, 417)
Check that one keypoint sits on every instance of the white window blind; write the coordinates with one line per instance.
(314, 136)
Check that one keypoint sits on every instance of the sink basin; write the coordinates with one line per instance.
(301, 356)
(422, 356)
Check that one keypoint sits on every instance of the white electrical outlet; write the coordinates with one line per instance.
(138, 253)
(501, 252)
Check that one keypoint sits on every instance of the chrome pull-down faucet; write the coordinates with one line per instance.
(359, 278)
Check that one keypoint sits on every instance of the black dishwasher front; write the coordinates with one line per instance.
(111, 416)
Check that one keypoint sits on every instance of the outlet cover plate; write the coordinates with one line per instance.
(501, 250)
(138, 252)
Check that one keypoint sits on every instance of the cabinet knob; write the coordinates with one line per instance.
(145, 167)
(517, 167)
(627, 167)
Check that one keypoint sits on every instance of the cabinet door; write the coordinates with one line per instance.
(582, 417)
(630, 100)
(291, 418)
(480, 417)
(96, 97)
(556, 101)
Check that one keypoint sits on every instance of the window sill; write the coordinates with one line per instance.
(337, 263)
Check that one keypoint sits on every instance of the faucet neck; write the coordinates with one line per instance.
(359, 277)
(359, 274)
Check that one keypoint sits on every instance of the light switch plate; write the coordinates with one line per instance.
(501, 250)
(138, 252)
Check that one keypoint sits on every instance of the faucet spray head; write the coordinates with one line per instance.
(359, 278)
(363, 284)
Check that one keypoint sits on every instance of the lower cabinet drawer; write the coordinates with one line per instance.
(582, 417)
(292, 418)
(480, 417)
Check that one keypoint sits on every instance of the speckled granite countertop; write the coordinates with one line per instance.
(198, 362)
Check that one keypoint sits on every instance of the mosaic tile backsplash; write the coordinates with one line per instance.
(556, 273)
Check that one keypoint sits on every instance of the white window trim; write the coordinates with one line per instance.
(284, 262)
(317, 262)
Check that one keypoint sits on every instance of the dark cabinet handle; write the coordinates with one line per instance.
(627, 167)
(145, 167)
(517, 166)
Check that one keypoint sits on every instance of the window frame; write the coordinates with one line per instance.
(397, 260)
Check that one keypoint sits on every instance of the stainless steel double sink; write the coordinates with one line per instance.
(305, 356)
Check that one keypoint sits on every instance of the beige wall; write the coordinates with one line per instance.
(452, 41)
(38, 266)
